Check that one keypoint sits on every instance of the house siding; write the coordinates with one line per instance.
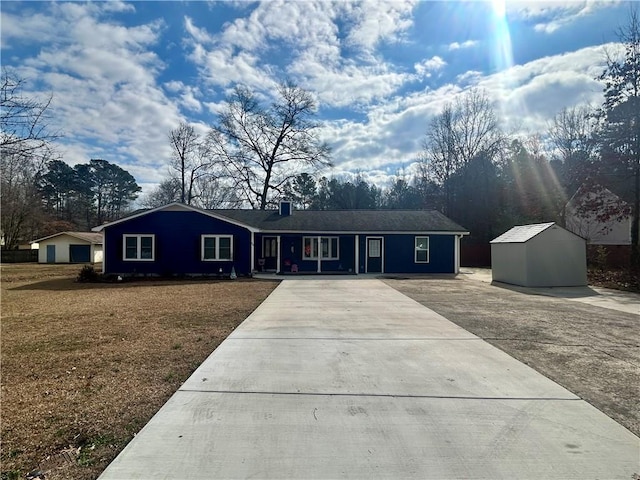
(177, 245)
(398, 250)
(400, 254)
(177, 231)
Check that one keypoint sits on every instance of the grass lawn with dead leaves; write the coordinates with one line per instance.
(86, 365)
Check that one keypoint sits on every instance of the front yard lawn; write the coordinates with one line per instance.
(86, 365)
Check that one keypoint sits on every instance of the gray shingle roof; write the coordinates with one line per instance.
(90, 237)
(345, 220)
(321, 221)
(522, 233)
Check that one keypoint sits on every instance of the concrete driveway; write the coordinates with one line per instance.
(348, 378)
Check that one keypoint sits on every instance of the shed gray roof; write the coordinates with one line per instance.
(90, 237)
(522, 233)
(345, 220)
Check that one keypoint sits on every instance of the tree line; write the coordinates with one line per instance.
(39, 193)
(256, 152)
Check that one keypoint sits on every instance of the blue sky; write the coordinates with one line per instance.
(123, 74)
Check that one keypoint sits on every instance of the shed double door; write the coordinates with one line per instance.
(80, 253)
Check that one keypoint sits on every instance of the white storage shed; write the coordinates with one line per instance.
(539, 255)
(70, 247)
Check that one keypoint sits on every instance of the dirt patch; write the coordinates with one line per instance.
(593, 352)
(85, 366)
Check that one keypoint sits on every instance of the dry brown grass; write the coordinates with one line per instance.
(85, 366)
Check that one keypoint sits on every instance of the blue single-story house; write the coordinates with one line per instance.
(178, 239)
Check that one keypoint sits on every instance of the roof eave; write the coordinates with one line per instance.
(208, 213)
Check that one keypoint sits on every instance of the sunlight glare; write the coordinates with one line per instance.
(499, 8)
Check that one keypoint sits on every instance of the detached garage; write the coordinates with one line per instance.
(539, 255)
(70, 247)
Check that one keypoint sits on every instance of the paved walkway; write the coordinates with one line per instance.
(351, 379)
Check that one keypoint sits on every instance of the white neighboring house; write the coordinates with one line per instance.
(70, 247)
(616, 231)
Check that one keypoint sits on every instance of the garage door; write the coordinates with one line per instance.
(80, 253)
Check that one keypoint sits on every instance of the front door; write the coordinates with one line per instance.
(374, 254)
(270, 252)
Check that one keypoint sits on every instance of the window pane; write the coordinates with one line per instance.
(334, 247)
(307, 247)
(315, 247)
(131, 247)
(146, 247)
(209, 248)
(374, 248)
(422, 249)
(325, 247)
(225, 248)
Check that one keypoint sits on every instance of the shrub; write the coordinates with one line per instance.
(88, 274)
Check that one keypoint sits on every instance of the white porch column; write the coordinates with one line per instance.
(253, 251)
(278, 258)
(357, 250)
(319, 255)
(456, 255)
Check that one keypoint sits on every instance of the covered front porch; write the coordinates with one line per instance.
(314, 253)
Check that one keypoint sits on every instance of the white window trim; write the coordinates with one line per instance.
(138, 238)
(319, 240)
(217, 253)
(415, 249)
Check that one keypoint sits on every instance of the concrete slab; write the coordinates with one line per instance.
(352, 379)
(215, 435)
(628, 302)
(439, 368)
(326, 309)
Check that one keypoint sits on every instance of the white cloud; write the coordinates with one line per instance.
(427, 67)
(313, 48)
(377, 21)
(457, 46)
(187, 95)
(553, 15)
(525, 96)
(106, 101)
(199, 35)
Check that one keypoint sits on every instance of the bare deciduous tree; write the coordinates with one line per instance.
(464, 130)
(185, 144)
(571, 132)
(25, 147)
(263, 148)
